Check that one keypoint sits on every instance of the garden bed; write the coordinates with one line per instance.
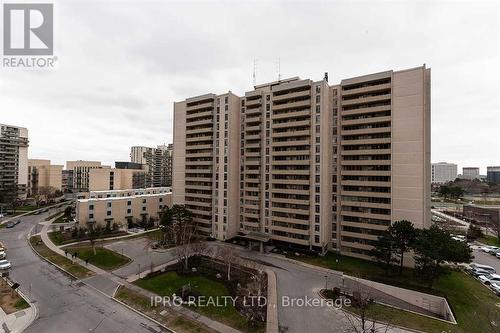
(209, 280)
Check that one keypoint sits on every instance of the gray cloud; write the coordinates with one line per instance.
(122, 65)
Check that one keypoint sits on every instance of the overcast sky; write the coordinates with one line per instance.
(121, 65)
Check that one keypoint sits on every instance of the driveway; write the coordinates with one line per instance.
(142, 256)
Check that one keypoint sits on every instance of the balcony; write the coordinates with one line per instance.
(292, 105)
(376, 130)
(370, 120)
(292, 123)
(293, 95)
(200, 114)
(292, 114)
(364, 100)
(291, 133)
(371, 88)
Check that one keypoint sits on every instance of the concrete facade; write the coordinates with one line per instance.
(122, 206)
(116, 179)
(320, 166)
(14, 159)
(470, 173)
(443, 172)
(41, 173)
(493, 174)
(80, 173)
(156, 161)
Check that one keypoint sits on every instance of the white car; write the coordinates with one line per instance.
(489, 279)
(496, 288)
(475, 265)
(489, 249)
(2, 254)
(5, 264)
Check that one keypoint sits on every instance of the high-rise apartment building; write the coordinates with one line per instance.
(80, 173)
(493, 174)
(157, 161)
(470, 173)
(41, 173)
(443, 172)
(13, 161)
(306, 163)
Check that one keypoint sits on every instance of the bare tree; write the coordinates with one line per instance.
(229, 257)
(361, 321)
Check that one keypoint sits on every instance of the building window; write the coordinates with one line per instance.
(91, 207)
(143, 209)
(129, 211)
(108, 213)
(91, 216)
(143, 201)
(109, 204)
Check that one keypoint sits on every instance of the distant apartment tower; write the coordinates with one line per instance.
(13, 160)
(316, 166)
(41, 173)
(443, 172)
(80, 173)
(157, 162)
(116, 179)
(470, 173)
(493, 174)
(67, 181)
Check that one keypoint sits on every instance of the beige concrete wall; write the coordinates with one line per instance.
(119, 209)
(48, 175)
(233, 154)
(410, 144)
(179, 154)
(99, 179)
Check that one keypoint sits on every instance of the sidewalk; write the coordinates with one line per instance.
(18, 321)
(105, 274)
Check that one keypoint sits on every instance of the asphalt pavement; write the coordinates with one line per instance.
(64, 305)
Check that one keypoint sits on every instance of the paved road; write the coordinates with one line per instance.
(64, 306)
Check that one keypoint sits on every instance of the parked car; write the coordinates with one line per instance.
(3, 254)
(489, 249)
(475, 265)
(496, 288)
(489, 279)
(10, 225)
(5, 264)
(477, 272)
(459, 238)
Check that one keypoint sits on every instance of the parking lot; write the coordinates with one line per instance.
(481, 257)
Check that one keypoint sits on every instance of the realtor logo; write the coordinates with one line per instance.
(28, 29)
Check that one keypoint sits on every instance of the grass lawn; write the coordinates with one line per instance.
(65, 263)
(66, 237)
(489, 240)
(60, 219)
(474, 306)
(176, 322)
(168, 283)
(103, 258)
(10, 301)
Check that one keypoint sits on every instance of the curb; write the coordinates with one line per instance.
(142, 314)
(94, 288)
(272, 322)
(47, 260)
(30, 302)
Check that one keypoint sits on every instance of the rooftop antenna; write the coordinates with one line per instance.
(254, 71)
(278, 65)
